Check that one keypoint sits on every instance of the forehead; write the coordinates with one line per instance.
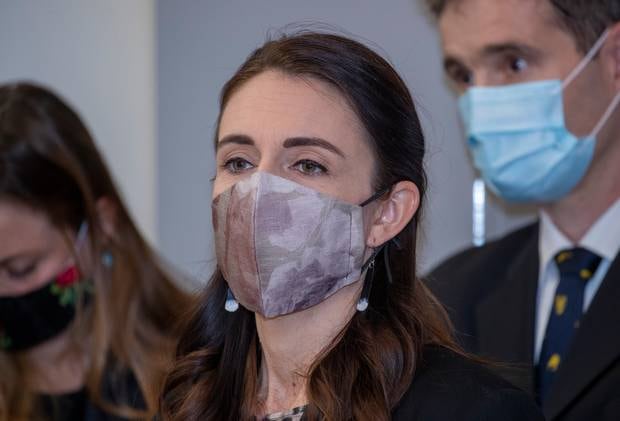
(467, 26)
(275, 105)
(22, 228)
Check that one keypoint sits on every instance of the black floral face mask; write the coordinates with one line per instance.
(31, 319)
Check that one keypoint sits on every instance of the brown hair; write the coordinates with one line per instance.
(585, 20)
(49, 162)
(364, 373)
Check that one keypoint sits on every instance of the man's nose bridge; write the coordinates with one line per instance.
(484, 78)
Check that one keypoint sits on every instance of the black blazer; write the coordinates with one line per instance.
(449, 387)
(490, 293)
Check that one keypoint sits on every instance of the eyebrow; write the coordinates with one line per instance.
(235, 139)
(495, 50)
(509, 47)
(291, 142)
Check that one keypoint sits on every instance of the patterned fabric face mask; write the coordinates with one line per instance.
(283, 247)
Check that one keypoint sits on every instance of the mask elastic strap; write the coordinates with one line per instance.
(80, 238)
(375, 196)
(610, 109)
(586, 60)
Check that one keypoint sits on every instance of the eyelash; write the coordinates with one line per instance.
(228, 165)
(20, 273)
(322, 170)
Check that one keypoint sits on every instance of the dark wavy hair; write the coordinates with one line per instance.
(364, 373)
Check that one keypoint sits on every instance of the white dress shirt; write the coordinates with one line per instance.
(603, 238)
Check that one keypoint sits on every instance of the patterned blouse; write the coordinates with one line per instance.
(295, 414)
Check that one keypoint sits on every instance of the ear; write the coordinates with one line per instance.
(612, 54)
(393, 213)
(107, 213)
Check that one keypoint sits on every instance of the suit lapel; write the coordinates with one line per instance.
(505, 319)
(595, 345)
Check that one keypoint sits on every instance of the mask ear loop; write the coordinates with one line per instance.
(374, 197)
(601, 123)
(586, 60)
(80, 240)
(82, 233)
(579, 68)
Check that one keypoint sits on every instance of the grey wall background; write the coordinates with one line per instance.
(100, 56)
(200, 45)
(145, 75)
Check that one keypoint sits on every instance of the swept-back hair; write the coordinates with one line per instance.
(365, 371)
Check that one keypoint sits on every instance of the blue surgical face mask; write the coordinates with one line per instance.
(519, 141)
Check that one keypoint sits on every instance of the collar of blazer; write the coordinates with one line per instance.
(505, 321)
(595, 347)
(505, 317)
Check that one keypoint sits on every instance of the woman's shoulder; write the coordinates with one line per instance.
(449, 386)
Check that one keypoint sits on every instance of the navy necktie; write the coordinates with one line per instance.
(576, 267)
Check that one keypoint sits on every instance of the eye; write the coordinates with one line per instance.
(20, 272)
(464, 77)
(309, 167)
(461, 76)
(237, 165)
(517, 64)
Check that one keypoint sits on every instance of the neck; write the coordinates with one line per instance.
(290, 345)
(575, 214)
(54, 367)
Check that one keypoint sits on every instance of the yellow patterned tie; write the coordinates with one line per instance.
(576, 267)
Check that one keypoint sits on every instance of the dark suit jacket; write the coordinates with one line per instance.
(490, 293)
(449, 387)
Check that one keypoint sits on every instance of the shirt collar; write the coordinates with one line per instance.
(551, 240)
(603, 238)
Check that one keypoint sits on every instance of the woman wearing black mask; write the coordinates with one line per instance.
(315, 311)
(86, 311)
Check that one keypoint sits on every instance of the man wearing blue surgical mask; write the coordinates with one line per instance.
(539, 93)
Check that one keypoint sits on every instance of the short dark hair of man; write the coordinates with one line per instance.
(585, 20)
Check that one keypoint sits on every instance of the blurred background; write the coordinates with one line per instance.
(145, 75)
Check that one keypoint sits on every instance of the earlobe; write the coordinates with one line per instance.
(107, 214)
(395, 212)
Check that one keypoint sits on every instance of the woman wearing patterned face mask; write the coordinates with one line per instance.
(315, 311)
(86, 312)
